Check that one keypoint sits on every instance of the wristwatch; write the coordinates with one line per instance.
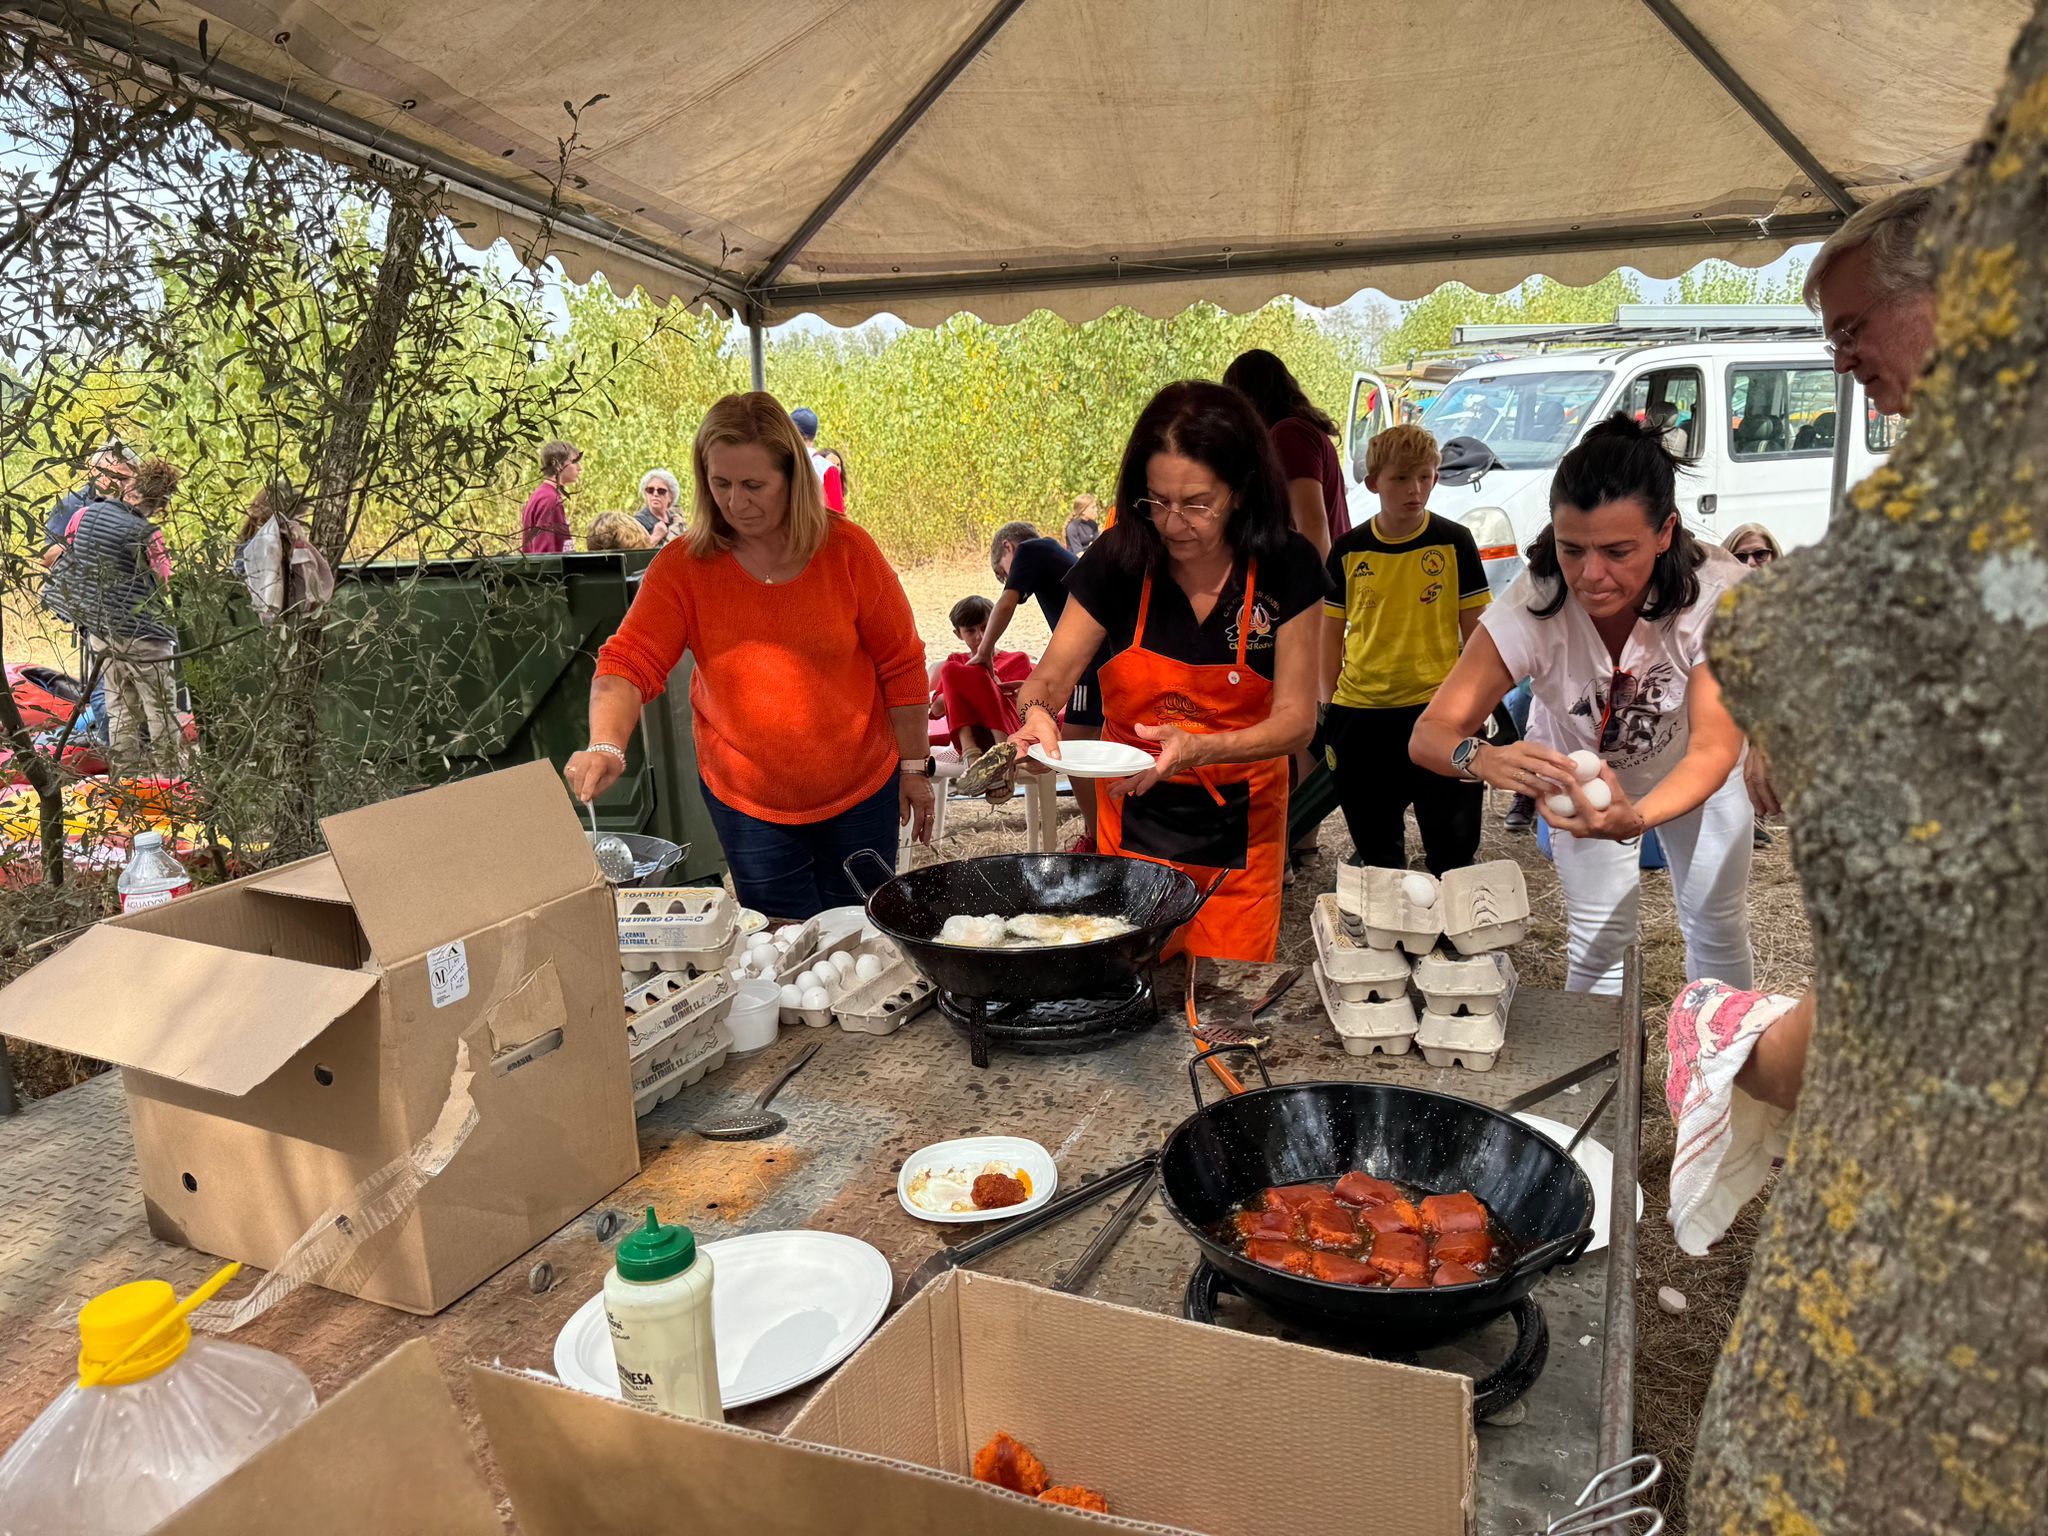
(921, 767)
(1463, 753)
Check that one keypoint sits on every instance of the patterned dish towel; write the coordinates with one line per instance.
(1727, 1141)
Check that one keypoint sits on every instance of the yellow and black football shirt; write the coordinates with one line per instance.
(1400, 602)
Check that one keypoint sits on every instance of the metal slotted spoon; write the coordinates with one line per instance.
(759, 1120)
(614, 858)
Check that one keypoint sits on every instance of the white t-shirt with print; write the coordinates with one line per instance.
(1574, 678)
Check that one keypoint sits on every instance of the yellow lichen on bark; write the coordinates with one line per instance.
(1979, 299)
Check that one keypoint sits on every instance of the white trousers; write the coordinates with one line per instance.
(1709, 852)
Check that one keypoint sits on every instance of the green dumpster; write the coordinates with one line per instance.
(489, 662)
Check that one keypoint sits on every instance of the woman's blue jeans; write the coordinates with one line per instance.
(797, 871)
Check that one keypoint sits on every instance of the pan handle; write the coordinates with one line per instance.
(852, 874)
(1195, 1078)
(1559, 1250)
(1202, 900)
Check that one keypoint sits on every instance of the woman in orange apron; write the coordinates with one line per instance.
(1209, 601)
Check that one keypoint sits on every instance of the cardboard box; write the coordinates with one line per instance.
(1214, 1431)
(291, 1035)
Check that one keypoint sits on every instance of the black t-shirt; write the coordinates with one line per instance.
(1286, 586)
(1039, 569)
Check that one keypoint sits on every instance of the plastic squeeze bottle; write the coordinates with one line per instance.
(173, 1417)
(657, 1303)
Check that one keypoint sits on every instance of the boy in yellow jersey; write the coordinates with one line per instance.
(1406, 590)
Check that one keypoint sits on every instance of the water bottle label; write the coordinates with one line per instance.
(448, 973)
(142, 901)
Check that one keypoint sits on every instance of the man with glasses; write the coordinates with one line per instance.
(1873, 287)
(544, 520)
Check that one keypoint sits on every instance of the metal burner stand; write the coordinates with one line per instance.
(1066, 1026)
(1492, 1394)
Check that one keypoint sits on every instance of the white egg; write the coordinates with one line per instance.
(760, 944)
(788, 932)
(1597, 794)
(816, 998)
(1560, 805)
(783, 946)
(868, 967)
(1419, 889)
(842, 962)
(792, 997)
(1586, 765)
(805, 980)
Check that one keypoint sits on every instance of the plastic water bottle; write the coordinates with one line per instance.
(161, 1427)
(152, 875)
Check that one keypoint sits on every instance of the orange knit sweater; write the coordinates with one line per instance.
(793, 682)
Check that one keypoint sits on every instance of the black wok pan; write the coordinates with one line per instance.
(911, 909)
(1310, 1132)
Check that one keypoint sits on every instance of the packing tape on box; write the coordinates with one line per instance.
(322, 1255)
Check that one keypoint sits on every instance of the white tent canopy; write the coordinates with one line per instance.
(923, 157)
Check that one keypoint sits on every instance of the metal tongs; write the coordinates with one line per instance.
(1616, 1511)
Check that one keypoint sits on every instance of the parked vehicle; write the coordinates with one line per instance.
(1754, 420)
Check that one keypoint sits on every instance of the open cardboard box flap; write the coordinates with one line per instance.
(386, 1454)
(451, 861)
(218, 1019)
(314, 879)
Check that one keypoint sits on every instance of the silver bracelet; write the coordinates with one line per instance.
(608, 750)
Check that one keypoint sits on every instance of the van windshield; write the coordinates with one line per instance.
(1527, 419)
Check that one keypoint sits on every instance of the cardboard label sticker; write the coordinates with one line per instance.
(448, 973)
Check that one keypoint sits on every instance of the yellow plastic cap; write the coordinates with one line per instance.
(114, 1320)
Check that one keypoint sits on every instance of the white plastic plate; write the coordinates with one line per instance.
(1095, 759)
(972, 1152)
(786, 1307)
(1598, 1164)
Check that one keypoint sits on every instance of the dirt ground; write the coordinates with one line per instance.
(1676, 1352)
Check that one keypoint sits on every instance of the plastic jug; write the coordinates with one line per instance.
(173, 1416)
(152, 875)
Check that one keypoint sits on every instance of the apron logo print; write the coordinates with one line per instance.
(1178, 709)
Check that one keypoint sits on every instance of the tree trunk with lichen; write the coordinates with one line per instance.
(1888, 1370)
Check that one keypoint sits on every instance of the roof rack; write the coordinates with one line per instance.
(1647, 324)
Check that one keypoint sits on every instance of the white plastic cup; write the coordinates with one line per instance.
(756, 1016)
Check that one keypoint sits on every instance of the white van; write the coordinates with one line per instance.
(1754, 419)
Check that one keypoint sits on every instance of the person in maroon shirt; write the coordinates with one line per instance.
(1303, 439)
(544, 520)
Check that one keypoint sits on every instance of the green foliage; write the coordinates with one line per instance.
(1428, 324)
(949, 432)
(1721, 282)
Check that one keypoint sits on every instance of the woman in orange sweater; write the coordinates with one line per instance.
(809, 694)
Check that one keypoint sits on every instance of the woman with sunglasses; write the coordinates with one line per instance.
(1209, 601)
(1610, 621)
(1752, 544)
(659, 493)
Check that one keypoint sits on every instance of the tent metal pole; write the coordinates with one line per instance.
(1709, 58)
(363, 140)
(1845, 402)
(757, 347)
(1137, 271)
(906, 120)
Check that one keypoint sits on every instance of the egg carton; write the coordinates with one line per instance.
(841, 995)
(1364, 1028)
(706, 1057)
(689, 928)
(886, 1003)
(1471, 984)
(1358, 973)
(655, 1003)
(1404, 909)
(1469, 1040)
(1485, 906)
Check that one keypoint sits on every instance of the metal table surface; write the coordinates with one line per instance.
(71, 1221)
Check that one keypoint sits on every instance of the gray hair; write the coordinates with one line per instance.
(675, 491)
(1894, 228)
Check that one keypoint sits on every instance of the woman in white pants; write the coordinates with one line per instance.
(1609, 621)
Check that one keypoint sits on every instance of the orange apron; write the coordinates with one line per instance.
(1226, 816)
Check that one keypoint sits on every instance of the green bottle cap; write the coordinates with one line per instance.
(654, 1252)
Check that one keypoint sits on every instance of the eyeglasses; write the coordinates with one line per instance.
(1845, 338)
(1757, 556)
(1199, 510)
(656, 490)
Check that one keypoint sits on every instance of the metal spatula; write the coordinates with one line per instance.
(760, 1120)
(614, 858)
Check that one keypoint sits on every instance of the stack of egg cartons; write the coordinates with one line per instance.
(1380, 931)
(675, 943)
